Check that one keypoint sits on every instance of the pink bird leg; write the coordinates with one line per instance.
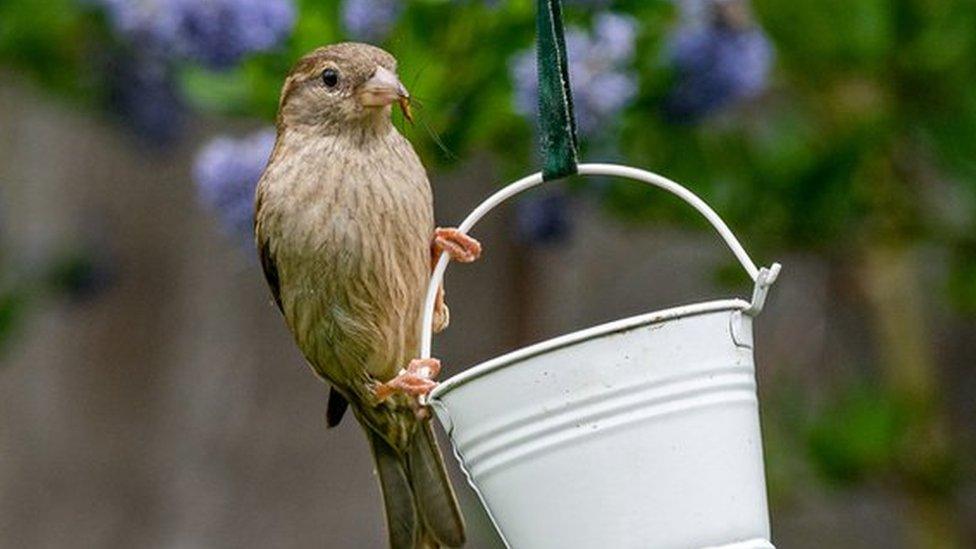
(459, 246)
(416, 380)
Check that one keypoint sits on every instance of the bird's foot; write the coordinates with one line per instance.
(417, 380)
(460, 247)
(456, 244)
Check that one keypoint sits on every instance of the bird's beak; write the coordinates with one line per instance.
(382, 89)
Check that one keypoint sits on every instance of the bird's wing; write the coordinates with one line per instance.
(337, 403)
(270, 271)
(268, 263)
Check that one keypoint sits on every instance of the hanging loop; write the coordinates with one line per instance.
(557, 122)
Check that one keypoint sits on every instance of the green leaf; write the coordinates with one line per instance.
(857, 436)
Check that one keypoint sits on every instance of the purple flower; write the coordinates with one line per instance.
(599, 72)
(615, 35)
(694, 12)
(152, 24)
(142, 93)
(226, 172)
(216, 33)
(219, 33)
(717, 64)
(370, 20)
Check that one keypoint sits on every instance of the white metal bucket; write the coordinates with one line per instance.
(639, 433)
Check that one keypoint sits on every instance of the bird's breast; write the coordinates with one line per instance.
(353, 253)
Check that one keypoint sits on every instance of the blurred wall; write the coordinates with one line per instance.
(173, 411)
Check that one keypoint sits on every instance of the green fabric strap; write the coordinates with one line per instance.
(557, 123)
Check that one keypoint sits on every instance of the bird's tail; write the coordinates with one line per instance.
(435, 497)
(421, 509)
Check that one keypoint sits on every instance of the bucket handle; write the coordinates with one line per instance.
(763, 278)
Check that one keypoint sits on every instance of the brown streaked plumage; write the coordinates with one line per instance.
(344, 227)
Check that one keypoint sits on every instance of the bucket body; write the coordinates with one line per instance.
(640, 433)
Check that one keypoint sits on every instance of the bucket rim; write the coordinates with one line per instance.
(508, 359)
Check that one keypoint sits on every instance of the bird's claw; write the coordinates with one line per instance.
(456, 244)
(417, 380)
(442, 314)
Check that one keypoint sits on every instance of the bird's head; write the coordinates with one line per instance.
(342, 85)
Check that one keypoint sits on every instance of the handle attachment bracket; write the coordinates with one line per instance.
(764, 281)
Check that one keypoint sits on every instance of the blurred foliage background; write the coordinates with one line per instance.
(845, 128)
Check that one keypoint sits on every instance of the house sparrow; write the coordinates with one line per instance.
(345, 229)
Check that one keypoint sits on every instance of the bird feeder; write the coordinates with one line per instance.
(639, 433)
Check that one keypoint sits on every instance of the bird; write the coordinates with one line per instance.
(345, 232)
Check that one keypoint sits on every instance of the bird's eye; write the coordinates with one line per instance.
(330, 77)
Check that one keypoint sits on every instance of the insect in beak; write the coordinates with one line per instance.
(405, 107)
